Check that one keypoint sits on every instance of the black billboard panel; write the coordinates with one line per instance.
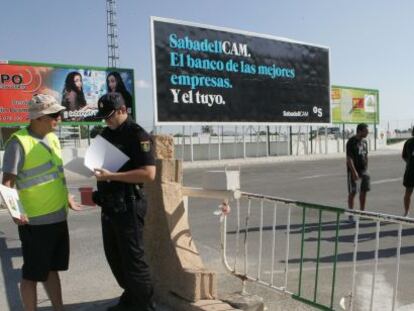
(205, 74)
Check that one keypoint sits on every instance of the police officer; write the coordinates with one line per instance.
(121, 196)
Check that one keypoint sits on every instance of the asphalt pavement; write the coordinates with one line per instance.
(321, 181)
(89, 284)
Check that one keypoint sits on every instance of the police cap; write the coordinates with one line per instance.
(108, 103)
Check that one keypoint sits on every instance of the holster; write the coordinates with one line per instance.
(118, 201)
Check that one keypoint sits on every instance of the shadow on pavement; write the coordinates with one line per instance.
(11, 275)
(311, 227)
(99, 305)
(364, 237)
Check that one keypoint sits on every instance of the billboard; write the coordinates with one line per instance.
(210, 75)
(354, 105)
(78, 88)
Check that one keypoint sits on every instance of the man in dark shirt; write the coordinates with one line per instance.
(408, 157)
(357, 167)
(123, 202)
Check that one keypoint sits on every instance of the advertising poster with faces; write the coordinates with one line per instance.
(76, 88)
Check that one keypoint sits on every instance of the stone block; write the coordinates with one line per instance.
(245, 302)
(163, 147)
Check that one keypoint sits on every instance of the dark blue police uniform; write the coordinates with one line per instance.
(124, 206)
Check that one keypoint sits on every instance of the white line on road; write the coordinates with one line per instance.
(383, 181)
(382, 296)
(377, 182)
(320, 175)
(406, 307)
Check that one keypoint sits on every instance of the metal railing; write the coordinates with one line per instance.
(267, 211)
(69, 136)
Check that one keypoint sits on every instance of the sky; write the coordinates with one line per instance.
(371, 42)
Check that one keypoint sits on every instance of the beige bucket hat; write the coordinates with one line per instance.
(42, 104)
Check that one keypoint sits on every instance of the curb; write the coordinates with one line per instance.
(277, 159)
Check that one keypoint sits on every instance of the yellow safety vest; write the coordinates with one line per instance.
(41, 183)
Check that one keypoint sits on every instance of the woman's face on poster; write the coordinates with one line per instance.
(78, 82)
(112, 83)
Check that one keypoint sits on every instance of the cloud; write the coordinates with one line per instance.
(142, 84)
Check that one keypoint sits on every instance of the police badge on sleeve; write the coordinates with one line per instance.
(145, 146)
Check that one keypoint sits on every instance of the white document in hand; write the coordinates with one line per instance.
(10, 199)
(102, 154)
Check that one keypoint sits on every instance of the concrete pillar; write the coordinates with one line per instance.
(179, 276)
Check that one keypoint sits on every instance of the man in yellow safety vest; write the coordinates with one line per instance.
(33, 163)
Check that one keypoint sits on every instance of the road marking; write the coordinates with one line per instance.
(383, 289)
(383, 181)
(362, 301)
(377, 182)
(320, 175)
(382, 295)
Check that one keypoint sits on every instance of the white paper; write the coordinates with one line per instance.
(102, 154)
(77, 166)
(10, 199)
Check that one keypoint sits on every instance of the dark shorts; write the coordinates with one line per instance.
(408, 181)
(45, 248)
(363, 184)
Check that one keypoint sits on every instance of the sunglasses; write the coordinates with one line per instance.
(109, 115)
(55, 115)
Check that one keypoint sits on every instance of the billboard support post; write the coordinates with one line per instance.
(183, 144)
(191, 144)
(268, 140)
(244, 141)
(209, 144)
(218, 141)
(311, 139)
(343, 137)
(235, 141)
(290, 141)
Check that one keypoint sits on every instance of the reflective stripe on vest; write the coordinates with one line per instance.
(36, 170)
(36, 181)
(25, 181)
(51, 218)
